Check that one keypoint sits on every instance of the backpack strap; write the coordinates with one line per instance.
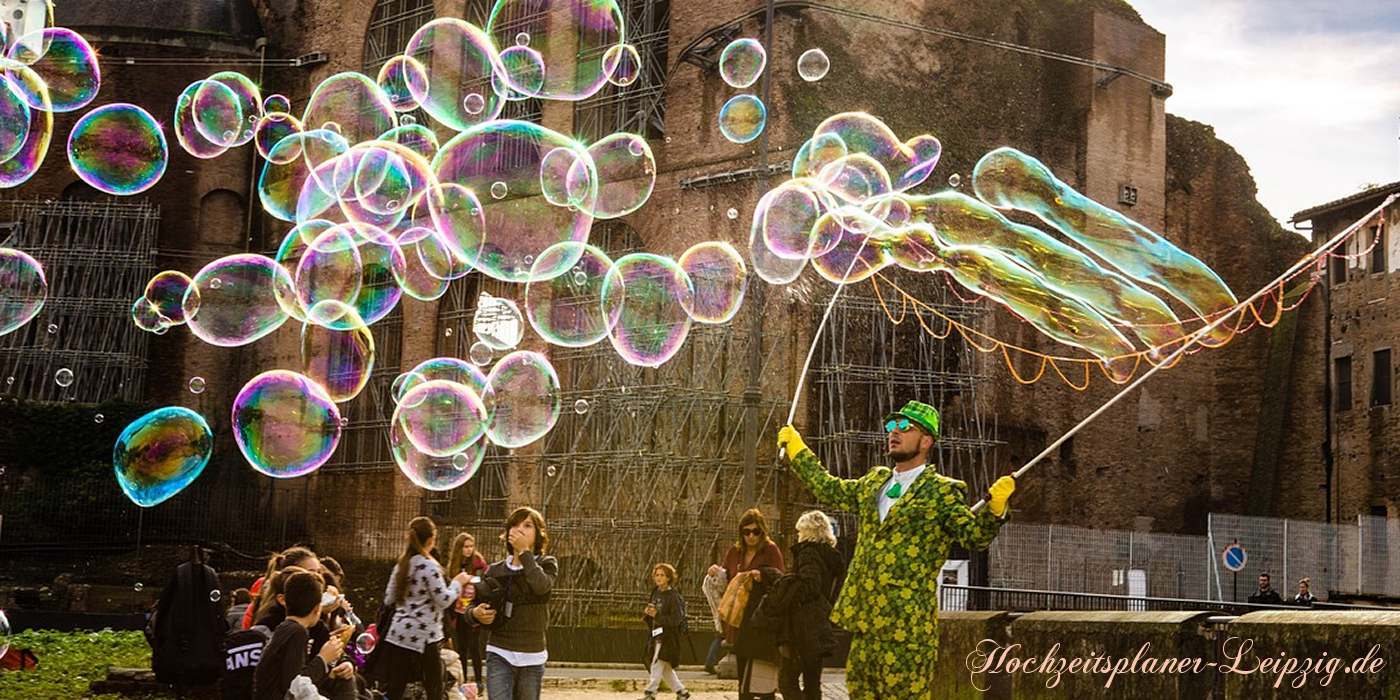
(184, 583)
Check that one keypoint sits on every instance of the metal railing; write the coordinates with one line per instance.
(1021, 600)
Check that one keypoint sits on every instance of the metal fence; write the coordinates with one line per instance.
(958, 598)
(1351, 559)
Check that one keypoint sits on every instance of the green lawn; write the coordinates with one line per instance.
(70, 661)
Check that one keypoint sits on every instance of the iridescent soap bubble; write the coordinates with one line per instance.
(66, 63)
(339, 360)
(813, 65)
(647, 299)
(289, 168)
(169, 293)
(460, 221)
(23, 161)
(186, 130)
(401, 77)
(567, 309)
(524, 222)
(353, 102)
(15, 116)
(330, 269)
(434, 473)
(626, 172)
(145, 316)
(581, 406)
(572, 37)
(196, 385)
(23, 289)
(161, 453)
(786, 217)
(497, 322)
(416, 279)
(285, 424)
(365, 643)
(524, 68)
(449, 369)
(463, 68)
(720, 278)
(527, 399)
(218, 113)
(742, 61)
(277, 103)
(907, 163)
(118, 149)
(271, 129)
(622, 64)
(480, 354)
(441, 418)
(742, 118)
(415, 137)
(243, 306)
(63, 377)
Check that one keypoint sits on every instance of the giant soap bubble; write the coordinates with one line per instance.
(285, 424)
(572, 37)
(23, 289)
(161, 453)
(118, 149)
(527, 399)
(237, 300)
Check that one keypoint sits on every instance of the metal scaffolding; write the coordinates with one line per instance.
(97, 257)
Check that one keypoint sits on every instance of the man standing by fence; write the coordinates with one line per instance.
(909, 518)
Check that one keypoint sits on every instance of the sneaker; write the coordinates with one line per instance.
(712, 670)
(683, 695)
(650, 695)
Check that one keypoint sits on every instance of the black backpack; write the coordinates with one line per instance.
(242, 651)
(187, 629)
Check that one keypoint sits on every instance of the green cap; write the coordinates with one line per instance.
(921, 414)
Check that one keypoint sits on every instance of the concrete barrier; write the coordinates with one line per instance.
(1109, 642)
(1361, 647)
(960, 634)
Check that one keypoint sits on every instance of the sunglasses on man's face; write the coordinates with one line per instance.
(751, 531)
(897, 424)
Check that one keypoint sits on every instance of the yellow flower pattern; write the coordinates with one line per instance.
(890, 601)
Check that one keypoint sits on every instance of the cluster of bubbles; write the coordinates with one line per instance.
(848, 212)
(743, 117)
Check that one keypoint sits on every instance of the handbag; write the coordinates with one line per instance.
(374, 668)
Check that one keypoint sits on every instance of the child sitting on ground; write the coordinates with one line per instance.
(284, 658)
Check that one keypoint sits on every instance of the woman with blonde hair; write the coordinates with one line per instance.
(818, 570)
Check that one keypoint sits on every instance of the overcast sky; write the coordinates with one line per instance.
(1307, 90)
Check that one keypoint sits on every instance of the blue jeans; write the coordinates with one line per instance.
(506, 682)
(716, 652)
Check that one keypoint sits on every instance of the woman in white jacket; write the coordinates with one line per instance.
(419, 592)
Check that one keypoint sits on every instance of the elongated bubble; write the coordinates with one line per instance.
(1009, 179)
(339, 360)
(962, 220)
(237, 300)
(626, 172)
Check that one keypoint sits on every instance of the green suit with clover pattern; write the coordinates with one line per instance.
(889, 601)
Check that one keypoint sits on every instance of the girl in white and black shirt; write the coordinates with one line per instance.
(419, 592)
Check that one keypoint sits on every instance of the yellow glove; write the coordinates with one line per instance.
(999, 493)
(789, 442)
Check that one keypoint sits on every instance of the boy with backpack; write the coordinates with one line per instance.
(186, 631)
(285, 656)
(665, 617)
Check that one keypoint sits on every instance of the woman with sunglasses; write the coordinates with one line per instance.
(755, 554)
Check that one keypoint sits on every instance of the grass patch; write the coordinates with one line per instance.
(70, 661)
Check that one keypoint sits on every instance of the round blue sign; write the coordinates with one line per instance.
(1234, 557)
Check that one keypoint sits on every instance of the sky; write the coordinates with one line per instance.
(1308, 91)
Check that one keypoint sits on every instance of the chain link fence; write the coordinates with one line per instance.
(1351, 559)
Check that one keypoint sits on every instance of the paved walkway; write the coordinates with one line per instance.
(616, 682)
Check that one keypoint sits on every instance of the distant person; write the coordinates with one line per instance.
(419, 592)
(468, 638)
(513, 601)
(754, 552)
(665, 618)
(818, 571)
(291, 556)
(285, 656)
(1305, 597)
(241, 599)
(1266, 595)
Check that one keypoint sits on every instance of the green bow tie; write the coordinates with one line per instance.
(895, 490)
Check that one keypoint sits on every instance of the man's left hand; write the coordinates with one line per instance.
(999, 493)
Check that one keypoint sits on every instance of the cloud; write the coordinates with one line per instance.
(1305, 90)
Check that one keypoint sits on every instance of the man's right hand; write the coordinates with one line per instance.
(790, 442)
(484, 614)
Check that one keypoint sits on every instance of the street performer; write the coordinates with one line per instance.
(909, 517)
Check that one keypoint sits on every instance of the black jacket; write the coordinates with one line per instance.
(818, 572)
(1270, 598)
(670, 615)
(761, 631)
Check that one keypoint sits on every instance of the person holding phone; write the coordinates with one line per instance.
(519, 616)
(419, 592)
